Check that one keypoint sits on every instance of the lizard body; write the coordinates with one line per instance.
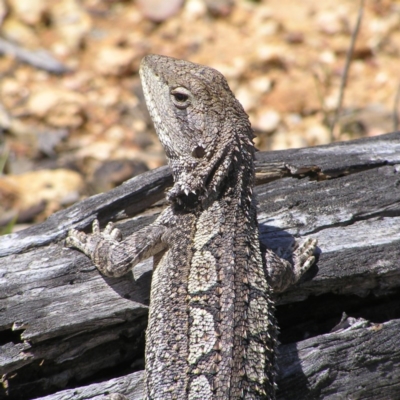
(211, 332)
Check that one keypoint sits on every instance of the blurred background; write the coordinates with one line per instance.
(72, 117)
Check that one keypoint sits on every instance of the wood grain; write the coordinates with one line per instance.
(62, 325)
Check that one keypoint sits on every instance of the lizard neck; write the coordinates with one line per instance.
(228, 173)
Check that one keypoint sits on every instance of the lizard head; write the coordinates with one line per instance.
(200, 123)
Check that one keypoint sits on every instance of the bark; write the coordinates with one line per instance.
(63, 326)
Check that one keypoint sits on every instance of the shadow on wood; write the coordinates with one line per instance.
(66, 332)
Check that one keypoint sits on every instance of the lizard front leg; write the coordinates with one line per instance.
(282, 273)
(113, 256)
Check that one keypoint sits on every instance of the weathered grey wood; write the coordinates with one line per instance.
(331, 160)
(61, 323)
(126, 200)
(140, 192)
(357, 363)
(131, 385)
(357, 222)
(352, 363)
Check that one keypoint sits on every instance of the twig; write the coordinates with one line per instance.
(4, 153)
(396, 109)
(346, 69)
(38, 58)
(320, 97)
(319, 92)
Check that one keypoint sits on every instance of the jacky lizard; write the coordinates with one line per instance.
(211, 332)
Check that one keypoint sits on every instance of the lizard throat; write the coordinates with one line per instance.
(197, 185)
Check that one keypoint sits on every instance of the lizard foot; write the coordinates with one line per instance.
(281, 271)
(88, 243)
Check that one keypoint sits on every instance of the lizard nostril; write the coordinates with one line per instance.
(198, 152)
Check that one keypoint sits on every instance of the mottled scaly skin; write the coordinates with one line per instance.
(225, 340)
(211, 332)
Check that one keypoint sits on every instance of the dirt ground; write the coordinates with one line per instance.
(72, 117)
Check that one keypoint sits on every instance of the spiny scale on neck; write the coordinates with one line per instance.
(230, 330)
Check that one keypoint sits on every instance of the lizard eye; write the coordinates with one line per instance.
(180, 97)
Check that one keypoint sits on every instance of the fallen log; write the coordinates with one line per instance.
(65, 330)
(354, 363)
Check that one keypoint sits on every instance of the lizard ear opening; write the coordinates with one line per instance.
(198, 152)
(180, 97)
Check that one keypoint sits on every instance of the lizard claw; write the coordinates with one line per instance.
(109, 233)
(76, 239)
(303, 256)
(108, 229)
(87, 243)
(284, 273)
(96, 226)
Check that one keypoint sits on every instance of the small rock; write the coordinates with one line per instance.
(232, 71)
(115, 134)
(269, 28)
(261, 84)
(59, 107)
(159, 10)
(382, 27)
(247, 97)
(293, 120)
(330, 22)
(381, 78)
(13, 88)
(51, 188)
(331, 100)
(29, 12)
(287, 140)
(268, 121)
(99, 150)
(317, 135)
(220, 8)
(114, 61)
(20, 33)
(194, 9)
(294, 37)
(72, 22)
(272, 54)
(78, 80)
(327, 57)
